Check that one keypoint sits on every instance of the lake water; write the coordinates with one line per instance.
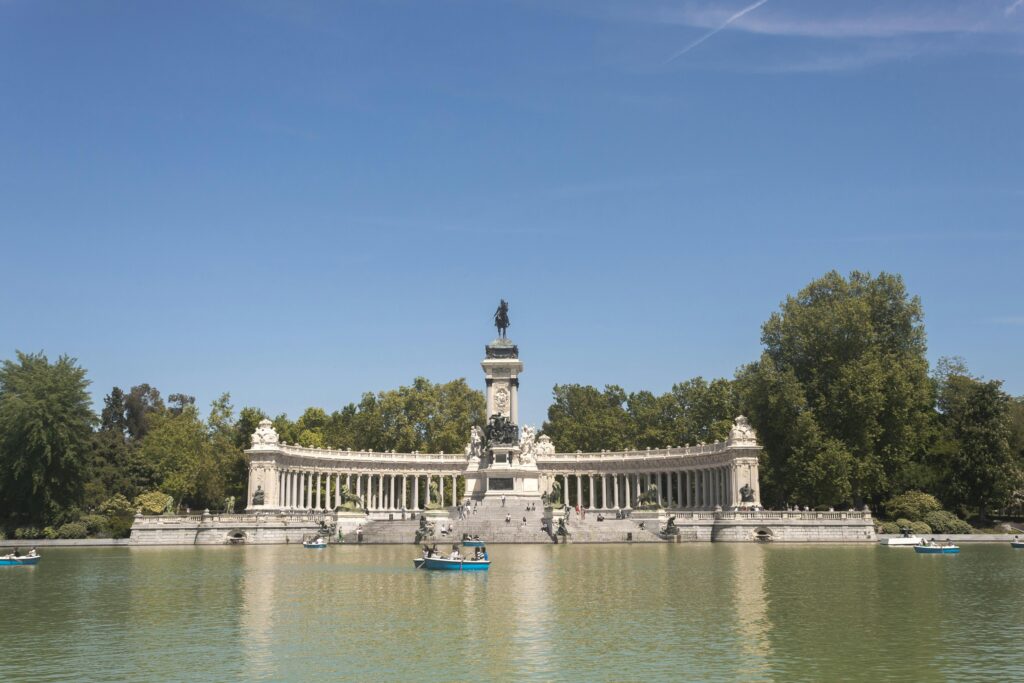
(608, 612)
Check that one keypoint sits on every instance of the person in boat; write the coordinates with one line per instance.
(455, 552)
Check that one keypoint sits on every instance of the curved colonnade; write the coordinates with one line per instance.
(688, 478)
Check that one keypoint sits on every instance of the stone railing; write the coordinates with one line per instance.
(636, 454)
(296, 516)
(377, 456)
(809, 515)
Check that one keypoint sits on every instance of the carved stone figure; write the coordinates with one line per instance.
(544, 446)
(475, 447)
(257, 498)
(229, 505)
(264, 434)
(742, 432)
(746, 494)
(501, 318)
(501, 430)
(527, 445)
(649, 498)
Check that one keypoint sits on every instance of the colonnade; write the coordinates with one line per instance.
(693, 489)
(314, 490)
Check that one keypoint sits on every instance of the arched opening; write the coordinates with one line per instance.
(236, 537)
(763, 535)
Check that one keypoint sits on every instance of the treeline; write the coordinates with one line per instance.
(67, 472)
(843, 399)
(845, 405)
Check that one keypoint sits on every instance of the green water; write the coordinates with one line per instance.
(591, 613)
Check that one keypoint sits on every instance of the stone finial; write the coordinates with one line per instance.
(544, 446)
(264, 436)
(742, 433)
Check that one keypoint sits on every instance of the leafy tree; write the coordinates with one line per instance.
(45, 429)
(179, 402)
(980, 465)
(914, 505)
(704, 410)
(113, 416)
(587, 419)
(187, 466)
(850, 355)
(248, 420)
(142, 402)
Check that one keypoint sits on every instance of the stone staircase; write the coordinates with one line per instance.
(610, 530)
(488, 522)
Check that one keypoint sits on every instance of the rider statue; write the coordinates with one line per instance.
(501, 319)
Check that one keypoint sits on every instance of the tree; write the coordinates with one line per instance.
(248, 420)
(142, 402)
(849, 357)
(45, 428)
(980, 467)
(587, 419)
(112, 418)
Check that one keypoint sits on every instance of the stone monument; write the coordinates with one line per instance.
(507, 464)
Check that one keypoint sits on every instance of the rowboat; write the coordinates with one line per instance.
(933, 548)
(473, 543)
(13, 560)
(1017, 544)
(317, 542)
(451, 565)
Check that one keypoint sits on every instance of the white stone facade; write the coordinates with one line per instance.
(703, 477)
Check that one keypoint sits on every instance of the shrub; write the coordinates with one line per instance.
(95, 524)
(26, 532)
(152, 502)
(887, 528)
(72, 530)
(912, 505)
(116, 505)
(943, 522)
(50, 532)
(120, 526)
(916, 528)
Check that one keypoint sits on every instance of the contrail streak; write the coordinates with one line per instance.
(707, 35)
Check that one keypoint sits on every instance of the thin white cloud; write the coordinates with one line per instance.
(1010, 9)
(1010, 319)
(721, 27)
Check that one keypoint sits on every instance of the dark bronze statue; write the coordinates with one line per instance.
(501, 318)
(747, 494)
(257, 498)
(501, 430)
(649, 498)
(670, 526)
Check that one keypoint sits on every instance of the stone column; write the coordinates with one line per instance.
(416, 492)
(380, 491)
(590, 480)
(658, 476)
(455, 490)
(579, 489)
(316, 491)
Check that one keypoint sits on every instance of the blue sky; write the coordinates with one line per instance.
(300, 202)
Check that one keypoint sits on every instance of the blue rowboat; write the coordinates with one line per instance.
(444, 564)
(318, 542)
(474, 543)
(937, 549)
(1017, 544)
(18, 560)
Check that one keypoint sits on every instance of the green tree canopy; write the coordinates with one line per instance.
(45, 431)
(976, 418)
(841, 396)
(587, 419)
